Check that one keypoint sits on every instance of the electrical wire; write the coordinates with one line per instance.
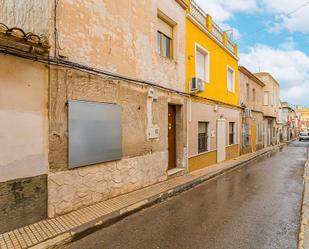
(52, 61)
(264, 28)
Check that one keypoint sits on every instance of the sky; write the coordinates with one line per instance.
(272, 36)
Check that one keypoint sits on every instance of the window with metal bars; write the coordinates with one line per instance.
(203, 137)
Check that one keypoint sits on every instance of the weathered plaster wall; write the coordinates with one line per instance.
(144, 160)
(23, 115)
(73, 189)
(273, 88)
(256, 104)
(22, 202)
(256, 120)
(23, 142)
(120, 36)
(232, 151)
(29, 15)
(259, 119)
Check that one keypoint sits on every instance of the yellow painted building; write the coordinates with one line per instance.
(212, 81)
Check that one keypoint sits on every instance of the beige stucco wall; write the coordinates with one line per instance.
(256, 105)
(120, 36)
(205, 113)
(256, 120)
(29, 15)
(273, 88)
(23, 115)
(144, 161)
(73, 189)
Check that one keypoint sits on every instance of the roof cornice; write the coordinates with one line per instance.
(182, 3)
(251, 76)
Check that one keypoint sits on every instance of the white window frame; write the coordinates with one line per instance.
(227, 79)
(207, 55)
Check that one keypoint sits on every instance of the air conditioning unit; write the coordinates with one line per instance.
(247, 113)
(197, 85)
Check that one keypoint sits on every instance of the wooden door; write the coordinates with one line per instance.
(221, 140)
(253, 137)
(171, 137)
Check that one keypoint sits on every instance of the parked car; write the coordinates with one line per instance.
(304, 136)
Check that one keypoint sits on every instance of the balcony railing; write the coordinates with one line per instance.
(217, 32)
(230, 45)
(199, 15)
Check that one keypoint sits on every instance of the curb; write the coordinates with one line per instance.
(303, 238)
(107, 220)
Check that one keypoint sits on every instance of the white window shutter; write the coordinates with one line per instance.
(200, 65)
(165, 28)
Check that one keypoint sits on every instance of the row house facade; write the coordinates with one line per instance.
(93, 102)
(98, 100)
(303, 114)
(212, 83)
(271, 109)
(290, 122)
(251, 101)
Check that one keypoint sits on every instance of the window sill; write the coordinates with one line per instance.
(231, 145)
(172, 60)
(203, 153)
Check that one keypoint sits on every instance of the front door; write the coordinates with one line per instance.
(221, 140)
(171, 137)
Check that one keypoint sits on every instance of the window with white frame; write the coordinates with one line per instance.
(202, 63)
(203, 137)
(232, 133)
(230, 79)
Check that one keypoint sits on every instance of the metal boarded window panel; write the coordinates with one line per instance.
(95, 133)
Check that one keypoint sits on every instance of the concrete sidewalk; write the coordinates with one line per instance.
(52, 233)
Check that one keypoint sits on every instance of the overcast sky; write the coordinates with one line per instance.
(273, 36)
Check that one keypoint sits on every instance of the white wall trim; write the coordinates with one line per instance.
(207, 53)
(227, 78)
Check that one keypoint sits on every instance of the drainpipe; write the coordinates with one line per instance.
(55, 27)
(188, 121)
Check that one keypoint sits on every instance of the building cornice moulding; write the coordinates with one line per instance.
(182, 3)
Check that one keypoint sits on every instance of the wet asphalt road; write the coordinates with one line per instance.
(252, 207)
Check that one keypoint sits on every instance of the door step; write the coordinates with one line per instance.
(175, 172)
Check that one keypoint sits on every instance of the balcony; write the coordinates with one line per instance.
(270, 111)
(205, 20)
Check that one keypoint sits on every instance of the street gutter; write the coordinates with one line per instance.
(303, 242)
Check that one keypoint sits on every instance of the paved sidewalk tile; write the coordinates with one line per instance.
(35, 234)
